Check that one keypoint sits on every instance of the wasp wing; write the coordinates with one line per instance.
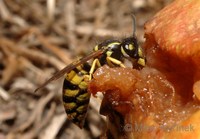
(71, 67)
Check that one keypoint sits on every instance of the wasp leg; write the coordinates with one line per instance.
(94, 63)
(115, 61)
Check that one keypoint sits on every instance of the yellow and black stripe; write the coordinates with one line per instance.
(75, 96)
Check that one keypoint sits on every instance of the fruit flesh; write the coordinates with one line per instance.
(143, 96)
(165, 92)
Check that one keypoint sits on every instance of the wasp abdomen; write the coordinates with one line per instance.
(75, 95)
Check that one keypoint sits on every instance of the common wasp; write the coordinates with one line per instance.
(78, 74)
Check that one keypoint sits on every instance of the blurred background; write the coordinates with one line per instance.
(40, 37)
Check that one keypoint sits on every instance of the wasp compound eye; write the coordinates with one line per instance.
(129, 47)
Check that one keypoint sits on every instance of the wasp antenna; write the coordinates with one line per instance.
(134, 24)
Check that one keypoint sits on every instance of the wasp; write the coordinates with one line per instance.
(78, 74)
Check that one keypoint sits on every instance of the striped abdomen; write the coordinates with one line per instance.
(75, 96)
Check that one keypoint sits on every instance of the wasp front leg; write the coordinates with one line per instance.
(112, 61)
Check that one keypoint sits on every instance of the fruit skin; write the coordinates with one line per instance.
(176, 28)
(176, 31)
(173, 44)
